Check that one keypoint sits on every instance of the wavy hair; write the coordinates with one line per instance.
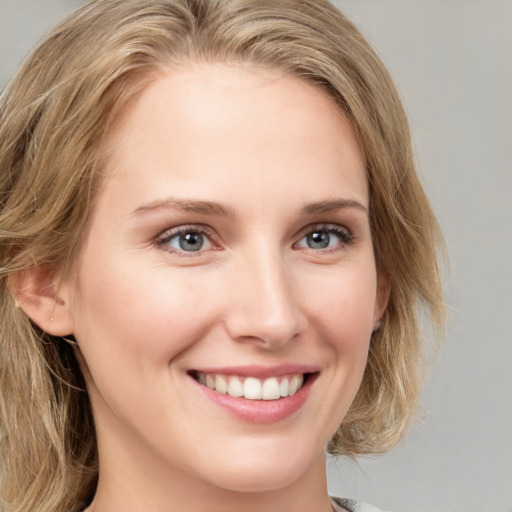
(54, 117)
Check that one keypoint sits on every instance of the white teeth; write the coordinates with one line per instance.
(235, 387)
(253, 388)
(295, 384)
(210, 381)
(270, 389)
(221, 384)
(284, 387)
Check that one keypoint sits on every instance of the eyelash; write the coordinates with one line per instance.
(345, 236)
(343, 233)
(163, 240)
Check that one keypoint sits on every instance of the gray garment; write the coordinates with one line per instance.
(346, 505)
(338, 504)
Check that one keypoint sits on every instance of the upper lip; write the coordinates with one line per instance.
(258, 371)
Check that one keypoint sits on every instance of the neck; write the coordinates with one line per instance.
(142, 487)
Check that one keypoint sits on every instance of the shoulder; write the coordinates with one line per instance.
(347, 505)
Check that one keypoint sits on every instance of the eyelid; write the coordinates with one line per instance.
(343, 232)
(165, 236)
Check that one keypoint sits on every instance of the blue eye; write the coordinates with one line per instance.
(185, 240)
(325, 237)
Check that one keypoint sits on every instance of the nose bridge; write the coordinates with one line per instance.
(263, 306)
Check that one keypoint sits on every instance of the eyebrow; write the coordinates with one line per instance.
(218, 209)
(334, 204)
(187, 205)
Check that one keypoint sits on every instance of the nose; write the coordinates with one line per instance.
(263, 307)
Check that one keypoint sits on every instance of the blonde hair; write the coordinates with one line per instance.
(54, 116)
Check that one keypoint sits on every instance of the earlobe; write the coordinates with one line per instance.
(37, 295)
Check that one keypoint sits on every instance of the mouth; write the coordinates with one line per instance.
(257, 394)
(252, 387)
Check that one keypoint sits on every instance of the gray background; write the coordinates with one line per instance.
(452, 61)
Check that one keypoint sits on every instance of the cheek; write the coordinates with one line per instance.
(125, 320)
(341, 305)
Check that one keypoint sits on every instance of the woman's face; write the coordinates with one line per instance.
(229, 252)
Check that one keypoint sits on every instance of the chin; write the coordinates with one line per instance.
(258, 481)
(264, 473)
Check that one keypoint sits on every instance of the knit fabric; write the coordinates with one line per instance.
(346, 505)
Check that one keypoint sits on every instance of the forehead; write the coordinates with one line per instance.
(210, 124)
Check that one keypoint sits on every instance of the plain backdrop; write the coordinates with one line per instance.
(452, 61)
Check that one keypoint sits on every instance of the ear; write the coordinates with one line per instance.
(36, 294)
(381, 300)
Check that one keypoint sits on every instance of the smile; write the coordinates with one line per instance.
(252, 388)
(257, 394)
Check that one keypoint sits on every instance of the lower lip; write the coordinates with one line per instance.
(260, 411)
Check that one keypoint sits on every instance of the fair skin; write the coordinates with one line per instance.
(230, 241)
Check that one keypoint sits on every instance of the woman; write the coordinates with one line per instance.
(214, 246)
